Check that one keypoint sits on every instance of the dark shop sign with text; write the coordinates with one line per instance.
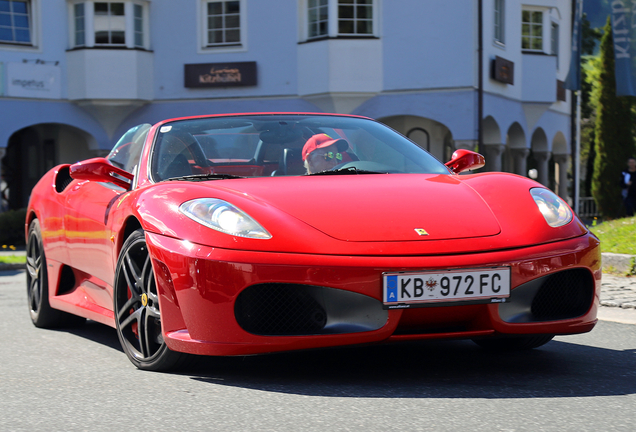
(220, 74)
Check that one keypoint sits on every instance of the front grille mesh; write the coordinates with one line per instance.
(567, 294)
(279, 309)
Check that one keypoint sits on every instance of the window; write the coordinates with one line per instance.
(80, 31)
(110, 24)
(532, 30)
(334, 18)
(555, 41)
(127, 151)
(15, 22)
(499, 21)
(223, 23)
(139, 25)
(318, 19)
(355, 17)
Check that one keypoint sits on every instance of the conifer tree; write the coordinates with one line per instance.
(590, 38)
(613, 139)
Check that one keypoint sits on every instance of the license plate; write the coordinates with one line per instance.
(413, 289)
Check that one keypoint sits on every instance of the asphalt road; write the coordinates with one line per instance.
(54, 380)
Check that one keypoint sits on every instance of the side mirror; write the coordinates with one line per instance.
(101, 170)
(465, 160)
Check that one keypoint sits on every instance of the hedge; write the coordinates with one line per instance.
(12, 227)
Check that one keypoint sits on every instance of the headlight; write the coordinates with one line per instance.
(223, 216)
(555, 211)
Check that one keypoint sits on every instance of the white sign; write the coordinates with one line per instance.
(33, 80)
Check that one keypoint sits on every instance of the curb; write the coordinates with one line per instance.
(623, 316)
(8, 267)
(621, 263)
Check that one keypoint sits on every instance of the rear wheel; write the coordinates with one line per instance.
(42, 314)
(515, 343)
(136, 306)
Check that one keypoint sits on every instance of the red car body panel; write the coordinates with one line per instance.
(207, 306)
(325, 232)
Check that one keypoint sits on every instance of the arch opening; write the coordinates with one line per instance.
(32, 151)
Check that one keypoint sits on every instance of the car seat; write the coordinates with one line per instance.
(177, 167)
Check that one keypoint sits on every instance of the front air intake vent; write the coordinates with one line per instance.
(279, 309)
(566, 294)
(563, 295)
(63, 179)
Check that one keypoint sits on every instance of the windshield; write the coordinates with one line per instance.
(284, 145)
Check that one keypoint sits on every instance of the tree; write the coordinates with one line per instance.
(589, 39)
(589, 73)
(613, 133)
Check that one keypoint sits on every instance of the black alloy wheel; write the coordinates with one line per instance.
(136, 306)
(42, 314)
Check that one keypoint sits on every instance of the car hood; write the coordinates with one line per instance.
(371, 208)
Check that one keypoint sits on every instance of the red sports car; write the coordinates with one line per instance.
(255, 233)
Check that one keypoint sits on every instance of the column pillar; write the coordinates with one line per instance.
(493, 156)
(465, 144)
(3, 184)
(520, 160)
(542, 166)
(563, 161)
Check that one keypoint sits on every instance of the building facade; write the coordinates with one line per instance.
(75, 74)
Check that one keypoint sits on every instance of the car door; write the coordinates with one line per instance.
(88, 238)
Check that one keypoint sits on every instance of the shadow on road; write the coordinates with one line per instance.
(96, 332)
(428, 369)
(456, 369)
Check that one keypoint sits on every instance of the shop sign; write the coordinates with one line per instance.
(32, 80)
(503, 70)
(220, 74)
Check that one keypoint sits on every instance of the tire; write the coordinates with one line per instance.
(515, 343)
(136, 307)
(42, 314)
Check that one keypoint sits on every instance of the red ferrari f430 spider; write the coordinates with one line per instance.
(256, 233)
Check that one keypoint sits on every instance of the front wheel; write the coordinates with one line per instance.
(514, 343)
(136, 306)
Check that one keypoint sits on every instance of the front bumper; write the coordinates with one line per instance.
(199, 287)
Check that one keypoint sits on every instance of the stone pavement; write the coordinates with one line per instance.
(618, 299)
(618, 291)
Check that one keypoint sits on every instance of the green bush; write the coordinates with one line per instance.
(12, 227)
